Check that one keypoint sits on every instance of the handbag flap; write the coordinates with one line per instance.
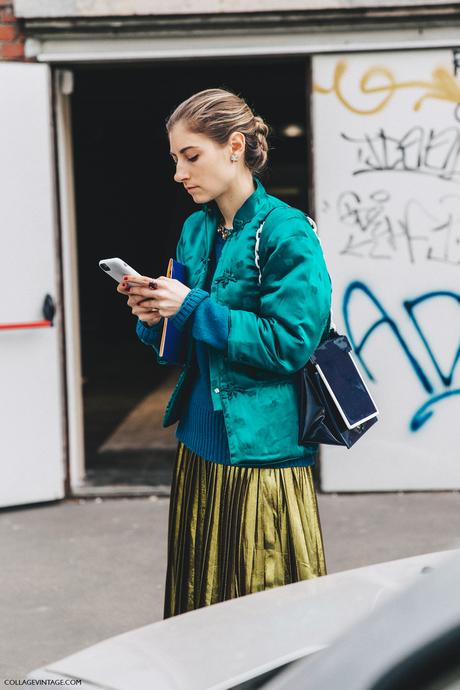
(343, 380)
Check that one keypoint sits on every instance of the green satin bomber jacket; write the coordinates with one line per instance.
(274, 326)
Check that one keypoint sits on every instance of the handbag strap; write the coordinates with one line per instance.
(256, 247)
(330, 323)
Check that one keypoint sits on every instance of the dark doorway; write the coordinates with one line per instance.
(129, 206)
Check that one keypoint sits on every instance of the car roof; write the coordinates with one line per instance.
(427, 610)
(221, 645)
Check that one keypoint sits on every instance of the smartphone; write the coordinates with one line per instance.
(117, 268)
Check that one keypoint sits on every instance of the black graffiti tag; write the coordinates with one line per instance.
(417, 234)
(419, 150)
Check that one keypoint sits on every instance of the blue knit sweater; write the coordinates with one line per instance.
(201, 428)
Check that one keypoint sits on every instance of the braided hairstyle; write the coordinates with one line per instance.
(218, 113)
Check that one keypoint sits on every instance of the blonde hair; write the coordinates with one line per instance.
(218, 113)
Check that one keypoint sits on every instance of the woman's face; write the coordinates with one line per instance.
(202, 166)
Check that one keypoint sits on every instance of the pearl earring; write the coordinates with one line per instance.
(233, 157)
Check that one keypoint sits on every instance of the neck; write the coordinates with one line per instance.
(234, 197)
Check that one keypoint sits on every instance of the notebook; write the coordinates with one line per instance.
(172, 344)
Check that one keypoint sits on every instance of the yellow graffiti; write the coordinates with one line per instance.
(443, 86)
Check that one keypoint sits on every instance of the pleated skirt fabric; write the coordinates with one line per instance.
(236, 530)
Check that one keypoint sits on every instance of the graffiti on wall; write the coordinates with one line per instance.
(442, 86)
(437, 390)
(418, 150)
(388, 213)
(418, 232)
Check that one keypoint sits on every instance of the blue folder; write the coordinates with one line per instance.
(172, 345)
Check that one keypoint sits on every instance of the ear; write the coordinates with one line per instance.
(237, 143)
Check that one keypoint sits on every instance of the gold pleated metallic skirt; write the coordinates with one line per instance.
(236, 530)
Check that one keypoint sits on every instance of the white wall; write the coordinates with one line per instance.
(387, 176)
(107, 8)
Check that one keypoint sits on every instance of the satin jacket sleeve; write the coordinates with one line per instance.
(295, 301)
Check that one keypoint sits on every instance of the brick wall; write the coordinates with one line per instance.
(11, 34)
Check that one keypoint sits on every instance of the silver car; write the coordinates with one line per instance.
(248, 642)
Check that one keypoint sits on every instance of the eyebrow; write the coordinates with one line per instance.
(184, 149)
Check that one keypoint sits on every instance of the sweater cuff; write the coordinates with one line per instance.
(211, 324)
(148, 334)
(190, 303)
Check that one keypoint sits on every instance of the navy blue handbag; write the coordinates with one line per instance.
(335, 406)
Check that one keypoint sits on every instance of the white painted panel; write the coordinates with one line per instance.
(387, 176)
(105, 48)
(117, 8)
(31, 415)
(75, 427)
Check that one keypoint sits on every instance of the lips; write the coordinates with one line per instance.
(190, 188)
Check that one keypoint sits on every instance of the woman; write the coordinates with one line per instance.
(243, 512)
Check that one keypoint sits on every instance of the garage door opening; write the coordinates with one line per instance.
(128, 205)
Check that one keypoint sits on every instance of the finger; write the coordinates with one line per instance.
(146, 313)
(144, 303)
(133, 301)
(144, 292)
(148, 286)
(161, 281)
(123, 289)
(143, 279)
(147, 303)
(136, 299)
(150, 312)
(137, 280)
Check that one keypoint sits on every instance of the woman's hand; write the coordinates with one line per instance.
(163, 295)
(139, 305)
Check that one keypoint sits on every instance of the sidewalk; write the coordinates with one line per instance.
(79, 571)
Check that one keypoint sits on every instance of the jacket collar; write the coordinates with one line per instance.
(246, 212)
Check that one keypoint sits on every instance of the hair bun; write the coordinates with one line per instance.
(261, 127)
(261, 131)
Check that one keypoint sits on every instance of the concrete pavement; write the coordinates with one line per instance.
(78, 571)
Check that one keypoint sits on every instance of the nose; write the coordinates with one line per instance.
(181, 174)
